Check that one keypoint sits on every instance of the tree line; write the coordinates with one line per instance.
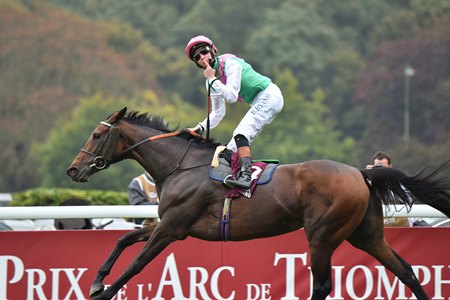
(65, 65)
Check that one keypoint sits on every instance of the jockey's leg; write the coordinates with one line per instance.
(244, 178)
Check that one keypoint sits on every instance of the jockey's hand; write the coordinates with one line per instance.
(197, 129)
(209, 72)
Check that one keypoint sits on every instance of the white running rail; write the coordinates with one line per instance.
(151, 211)
(74, 212)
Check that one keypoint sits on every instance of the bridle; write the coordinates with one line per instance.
(103, 158)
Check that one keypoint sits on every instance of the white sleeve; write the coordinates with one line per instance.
(221, 93)
(230, 91)
(218, 111)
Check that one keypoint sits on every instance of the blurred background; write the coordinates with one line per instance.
(357, 76)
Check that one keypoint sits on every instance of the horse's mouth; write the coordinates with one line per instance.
(78, 175)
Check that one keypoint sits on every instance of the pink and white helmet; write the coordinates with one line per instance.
(197, 41)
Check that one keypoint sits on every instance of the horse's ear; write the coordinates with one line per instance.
(122, 113)
(116, 117)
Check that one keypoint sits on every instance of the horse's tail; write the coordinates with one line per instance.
(394, 187)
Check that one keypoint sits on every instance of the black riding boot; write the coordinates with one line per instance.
(244, 180)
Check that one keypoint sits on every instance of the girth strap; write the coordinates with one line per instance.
(225, 221)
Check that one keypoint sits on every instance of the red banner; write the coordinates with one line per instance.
(62, 265)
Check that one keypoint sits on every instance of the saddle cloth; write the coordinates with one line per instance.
(262, 170)
(262, 173)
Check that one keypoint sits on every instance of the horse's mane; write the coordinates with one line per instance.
(158, 123)
(147, 120)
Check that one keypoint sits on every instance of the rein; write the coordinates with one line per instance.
(103, 159)
(152, 138)
(177, 167)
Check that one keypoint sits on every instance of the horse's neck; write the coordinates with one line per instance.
(159, 157)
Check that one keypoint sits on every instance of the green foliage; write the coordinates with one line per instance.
(50, 59)
(340, 75)
(382, 84)
(123, 37)
(56, 153)
(302, 131)
(409, 18)
(298, 47)
(346, 56)
(54, 197)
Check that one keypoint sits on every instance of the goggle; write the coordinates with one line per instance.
(201, 51)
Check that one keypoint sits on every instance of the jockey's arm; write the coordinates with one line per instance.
(221, 93)
(218, 110)
(228, 92)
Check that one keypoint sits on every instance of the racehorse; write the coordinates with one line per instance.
(332, 201)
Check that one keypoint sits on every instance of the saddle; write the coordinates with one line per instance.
(225, 161)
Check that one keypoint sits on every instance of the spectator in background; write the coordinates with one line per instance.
(383, 160)
(74, 223)
(142, 191)
(380, 159)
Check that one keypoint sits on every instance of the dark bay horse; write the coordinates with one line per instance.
(332, 201)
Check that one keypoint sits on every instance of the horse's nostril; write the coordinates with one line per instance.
(72, 171)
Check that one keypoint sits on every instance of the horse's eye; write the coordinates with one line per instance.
(96, 135)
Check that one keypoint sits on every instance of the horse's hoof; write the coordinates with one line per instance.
(96, 289)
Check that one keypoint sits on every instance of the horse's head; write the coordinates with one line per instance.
(100, 150)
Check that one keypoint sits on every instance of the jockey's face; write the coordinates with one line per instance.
(203, 56)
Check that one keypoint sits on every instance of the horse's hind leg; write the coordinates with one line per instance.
(320, 258)
(373, 242)
(140, 235)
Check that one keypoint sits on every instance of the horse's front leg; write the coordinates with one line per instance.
(159, 240)
(140, 235)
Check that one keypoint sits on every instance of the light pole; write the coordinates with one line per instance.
(408, 72)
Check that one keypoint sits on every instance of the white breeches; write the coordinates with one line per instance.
(264, 108)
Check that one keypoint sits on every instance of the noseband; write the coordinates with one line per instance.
(102, 159)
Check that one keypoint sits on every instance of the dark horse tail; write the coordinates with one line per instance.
(395, 187)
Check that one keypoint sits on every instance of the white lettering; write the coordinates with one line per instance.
(215, 283)
(384, 282)
(74, 285)
(265, 288)
(194, 285)
(55, 283)
(170, 268)
(35, 286)
(311, 281)
(438, 282)
(337, 291)
(357, 282)
(290, 272)
(256, 172)
(122, 293)
(426, 273)
(17, 275)
(140, 291)
(350, 280)
(252, 291)
(255, 292)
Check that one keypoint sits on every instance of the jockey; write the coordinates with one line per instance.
(230, 79)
